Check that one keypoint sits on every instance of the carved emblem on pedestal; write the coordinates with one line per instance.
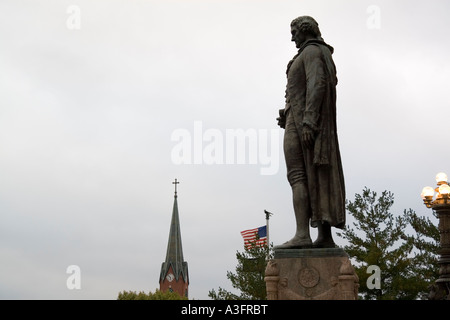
(308, 277)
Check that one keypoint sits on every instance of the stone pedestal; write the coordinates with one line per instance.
(311, 274)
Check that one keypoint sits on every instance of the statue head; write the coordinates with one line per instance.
(304, 28)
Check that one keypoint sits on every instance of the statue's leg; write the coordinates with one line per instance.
(296, 175)
(302, 238)
(324, 236)
(302, 214)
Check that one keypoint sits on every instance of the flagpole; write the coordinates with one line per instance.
(268, 214)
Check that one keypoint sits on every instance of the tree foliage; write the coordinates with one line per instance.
(157, 295)
(379, 238)
(426, 245)
(249, 276)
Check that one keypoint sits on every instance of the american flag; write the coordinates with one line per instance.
(256, 235)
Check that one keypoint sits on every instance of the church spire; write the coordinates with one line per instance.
(174, 270)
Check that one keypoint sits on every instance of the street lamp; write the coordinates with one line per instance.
(438, 199)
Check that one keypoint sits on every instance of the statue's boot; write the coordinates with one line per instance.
(324, 237)
(295, 243)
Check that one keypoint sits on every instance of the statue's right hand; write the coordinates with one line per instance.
(282, 118)
(282, 122)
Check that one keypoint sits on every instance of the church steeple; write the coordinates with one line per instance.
(174, 270)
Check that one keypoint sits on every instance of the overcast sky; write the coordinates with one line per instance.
(97, 98)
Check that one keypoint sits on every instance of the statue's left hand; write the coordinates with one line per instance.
(308, 137)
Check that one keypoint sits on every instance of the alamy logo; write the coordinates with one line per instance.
(74, 280)
(374, 20)
(373, 281)
(234, 146)
(73, 22)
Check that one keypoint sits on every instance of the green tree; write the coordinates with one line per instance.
(426, 245)
(157, 295)
(378, 238)
(408, 263)
(249, 276)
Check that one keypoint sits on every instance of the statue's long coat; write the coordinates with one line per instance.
(311, 97)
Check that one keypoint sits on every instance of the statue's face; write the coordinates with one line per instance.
(297, 36)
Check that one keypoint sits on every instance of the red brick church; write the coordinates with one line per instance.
(174, 270)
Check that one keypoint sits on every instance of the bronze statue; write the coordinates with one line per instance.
(311, 149)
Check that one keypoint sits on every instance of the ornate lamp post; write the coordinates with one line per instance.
(441, 205)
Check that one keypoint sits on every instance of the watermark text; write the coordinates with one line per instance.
(74, 280)
(73, 21)
(374, 281)
(234, 146)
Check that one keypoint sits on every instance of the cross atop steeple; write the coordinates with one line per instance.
(175, 183)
